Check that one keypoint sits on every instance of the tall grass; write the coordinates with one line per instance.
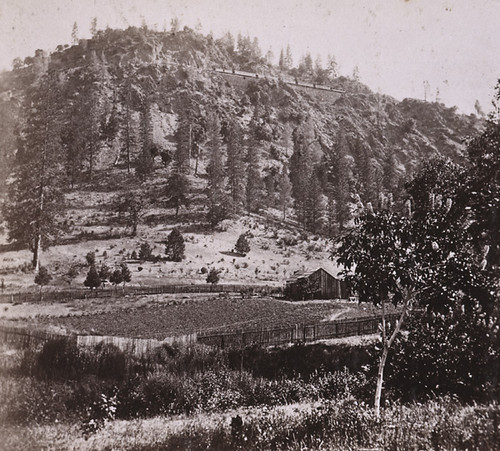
(347, 424)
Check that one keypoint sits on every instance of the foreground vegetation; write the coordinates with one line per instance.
(312, 397)
(440, 424)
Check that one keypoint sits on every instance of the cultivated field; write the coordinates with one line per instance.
(168, 315)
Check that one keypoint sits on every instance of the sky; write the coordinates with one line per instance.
(453, 46)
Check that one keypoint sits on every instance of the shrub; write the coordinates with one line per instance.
(43, 276)
(58, 360)
(213, 276)
(145, 252)
(242, 245)
(287, 240)
(99, 413)
(90, 257)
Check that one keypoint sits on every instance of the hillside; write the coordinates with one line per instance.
(136, 106)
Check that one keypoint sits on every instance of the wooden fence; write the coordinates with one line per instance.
(295, 334)
(67, 295)
(23, 337)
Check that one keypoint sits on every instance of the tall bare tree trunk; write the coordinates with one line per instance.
(387, 343)
(36, 252)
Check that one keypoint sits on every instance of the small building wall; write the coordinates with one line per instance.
(328, 286)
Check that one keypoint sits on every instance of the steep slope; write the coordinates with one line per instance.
(135, 103)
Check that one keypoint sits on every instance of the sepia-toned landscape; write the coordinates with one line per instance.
(205, 244)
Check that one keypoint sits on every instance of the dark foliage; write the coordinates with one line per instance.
(92, 280)
(242, 245)
(174, 246)
(447, 354)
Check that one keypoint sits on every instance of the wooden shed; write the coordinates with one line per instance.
(315, 284)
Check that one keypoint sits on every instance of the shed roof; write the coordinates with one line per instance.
(304, 274)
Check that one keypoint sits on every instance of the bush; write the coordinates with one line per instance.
(90, 257)
(287, 240)
(242, 245)
(43, 277)
(213, 276)
(455, 353)
(145, 252)
(59, 359)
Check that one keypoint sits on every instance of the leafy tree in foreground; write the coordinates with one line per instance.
(453, 353)
(242, 245)
(174, 246)
(42, 278)
(484, 155)
(389, 258)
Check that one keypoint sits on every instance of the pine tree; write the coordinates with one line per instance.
(145, 161)
(93, 27)
(116, 277)
(281, 62)
(367, 186)
(288, 58)
(308, 63)
(255, 184)
(390, 174)
(88, 110)
(301, 166)
(285, 190)
(130, 135)
(331, 212)
(35, 197)
(355, 73)
(126, 274)
(235, 166)
(342, 178)
(314, 205)
(131, 206)
(218, 202)
(183, 138)
(74, 34)
(177, 190)
(92, 280)
(174, 246)
(104, 273)
(332, 67)
(42, 278)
